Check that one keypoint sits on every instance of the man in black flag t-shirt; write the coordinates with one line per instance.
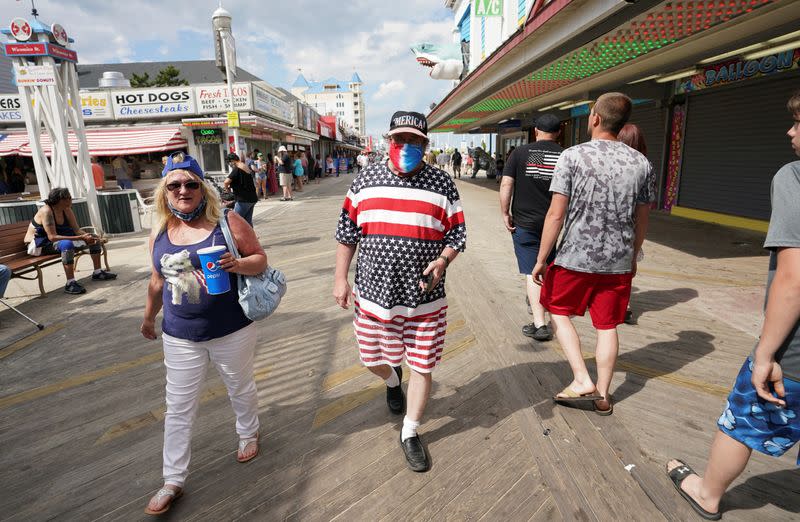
(240, 182)
(526, 181)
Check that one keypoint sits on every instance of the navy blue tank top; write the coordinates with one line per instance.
(189, 311)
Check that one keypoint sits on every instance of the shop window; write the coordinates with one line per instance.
(212, 157)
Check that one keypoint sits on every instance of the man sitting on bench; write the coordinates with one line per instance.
(53, 230)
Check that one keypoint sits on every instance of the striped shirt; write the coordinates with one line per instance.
(400, 225)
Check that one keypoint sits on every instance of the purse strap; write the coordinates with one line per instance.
(226, 231)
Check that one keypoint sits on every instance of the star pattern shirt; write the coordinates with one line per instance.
(400, 226)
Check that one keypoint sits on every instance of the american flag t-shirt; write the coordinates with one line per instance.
(541, 163)
(400, 226)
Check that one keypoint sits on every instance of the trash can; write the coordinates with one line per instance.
(119, 211)
(15, 211)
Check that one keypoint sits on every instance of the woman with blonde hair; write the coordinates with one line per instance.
(198, 327)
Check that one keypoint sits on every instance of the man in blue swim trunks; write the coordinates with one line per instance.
(763, 409)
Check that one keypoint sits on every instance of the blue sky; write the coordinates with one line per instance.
(274, 39)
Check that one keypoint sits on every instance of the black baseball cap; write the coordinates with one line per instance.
(405, 121)
(548, 123)
(232, 157)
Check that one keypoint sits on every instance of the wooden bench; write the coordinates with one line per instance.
(14, 254)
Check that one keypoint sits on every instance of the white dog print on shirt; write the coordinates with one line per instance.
(181, 276)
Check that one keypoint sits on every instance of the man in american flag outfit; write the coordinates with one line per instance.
(405, 217)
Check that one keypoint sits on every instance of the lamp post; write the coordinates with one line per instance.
(225, 51)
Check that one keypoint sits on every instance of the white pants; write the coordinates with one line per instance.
(186, 363)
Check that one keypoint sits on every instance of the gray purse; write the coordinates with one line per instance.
(259, 295)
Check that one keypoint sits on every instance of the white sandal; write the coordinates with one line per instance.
(165, 492)
(243, 443)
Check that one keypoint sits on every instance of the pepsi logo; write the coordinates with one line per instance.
(211, 266)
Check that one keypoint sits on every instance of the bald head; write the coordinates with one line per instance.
(614, 109)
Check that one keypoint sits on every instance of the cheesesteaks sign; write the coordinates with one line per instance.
(10, 108)
(153, 103)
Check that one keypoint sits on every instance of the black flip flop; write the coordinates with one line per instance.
(677, 476)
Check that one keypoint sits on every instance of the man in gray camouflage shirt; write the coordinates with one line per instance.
(602, 192)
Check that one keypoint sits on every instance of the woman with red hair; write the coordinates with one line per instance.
(632, 136)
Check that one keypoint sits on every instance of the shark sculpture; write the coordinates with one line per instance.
(445, 61)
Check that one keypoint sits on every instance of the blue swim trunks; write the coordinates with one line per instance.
(760, 425)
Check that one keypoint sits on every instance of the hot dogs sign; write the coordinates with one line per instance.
(153, 103)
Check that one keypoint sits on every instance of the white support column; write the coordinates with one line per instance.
(55, 110)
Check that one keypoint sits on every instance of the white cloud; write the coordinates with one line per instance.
(387, 88)
(273, 38)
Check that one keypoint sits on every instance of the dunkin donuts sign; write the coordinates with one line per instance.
(153, 103)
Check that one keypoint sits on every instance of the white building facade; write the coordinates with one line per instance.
(486, 30)
(332, 97)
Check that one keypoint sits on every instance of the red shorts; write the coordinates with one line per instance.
(566, 292)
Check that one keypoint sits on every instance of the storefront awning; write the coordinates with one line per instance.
(547, 64)
(257, 123)
(347, 146)
(11, 143)
(119, 141)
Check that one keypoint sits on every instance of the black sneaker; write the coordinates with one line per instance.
(629, 317)
(74, 287)
(104, 276)
(416, 456)
(395, 398)
(541, 333)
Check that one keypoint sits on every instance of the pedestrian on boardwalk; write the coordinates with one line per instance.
(261, 176)
(763, 409)
(272, 177)
(317, 169)
(240, 182)
(405, 218)
(304, 163)
(297, 170)
(285, 173)
(443, 160)
(250, 161)
(632, 136)
(119, 167)
(329, 165)
(600, 190)
(198, 327)
(98, 174)
(361, 162)
(457, 164)
(54, 230)
(500, 164)
(524, 200)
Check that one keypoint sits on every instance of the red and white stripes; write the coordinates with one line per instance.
(420, 339)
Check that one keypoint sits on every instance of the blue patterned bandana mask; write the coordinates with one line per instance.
(188, 216)
(406, 157)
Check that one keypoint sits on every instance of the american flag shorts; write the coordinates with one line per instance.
(419, 338)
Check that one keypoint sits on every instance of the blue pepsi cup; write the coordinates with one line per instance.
(217, 279)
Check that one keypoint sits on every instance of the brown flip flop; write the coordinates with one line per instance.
(570, 395)
(607, 412)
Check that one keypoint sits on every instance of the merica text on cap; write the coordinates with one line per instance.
(408, 121)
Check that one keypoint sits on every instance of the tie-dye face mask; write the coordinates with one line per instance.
(405, 157)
